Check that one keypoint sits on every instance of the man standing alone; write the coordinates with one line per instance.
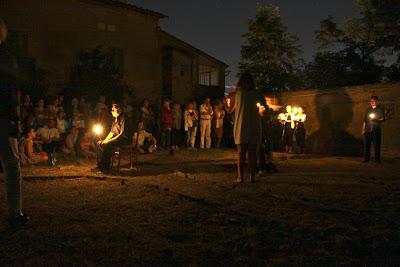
(372, 129)
(206, 114)
(9, 131)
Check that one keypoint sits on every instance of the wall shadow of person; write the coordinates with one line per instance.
(335, 114)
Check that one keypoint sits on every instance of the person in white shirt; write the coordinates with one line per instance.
(50, 138)
(247, 127)
(206, 113)
(145, 141)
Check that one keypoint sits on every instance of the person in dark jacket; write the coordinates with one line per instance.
(372, 129)
(112, 140)
(9, 132)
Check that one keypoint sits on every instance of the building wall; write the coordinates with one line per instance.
(335, 117)
(186, 60)
(58, 30)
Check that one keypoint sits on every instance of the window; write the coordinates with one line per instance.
(209, 75)
(111, 28)
(205, 78)
(101, 26)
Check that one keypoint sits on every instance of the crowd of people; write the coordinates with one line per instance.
(53, 126)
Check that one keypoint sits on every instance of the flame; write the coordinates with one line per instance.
(98, 129)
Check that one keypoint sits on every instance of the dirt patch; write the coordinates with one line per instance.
(313, 212)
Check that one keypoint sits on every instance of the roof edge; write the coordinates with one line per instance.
(194, 48)
(130, 7)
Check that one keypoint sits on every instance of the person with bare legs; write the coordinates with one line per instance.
(247, 128)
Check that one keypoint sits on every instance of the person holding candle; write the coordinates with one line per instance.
(372, 129)
(300, 130)
(113, 139)
(247, 126)
(288, 122)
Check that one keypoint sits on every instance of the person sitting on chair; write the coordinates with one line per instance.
(145, 141)
(107, 146)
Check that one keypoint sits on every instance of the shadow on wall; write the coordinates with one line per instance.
(334, 113)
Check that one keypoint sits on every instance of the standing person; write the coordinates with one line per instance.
(219, 123)
(288, 129)
(247, 127)
(166, 124)
(176, 125)
(107, 146)
(9, 131)
(265, 149)
(372, 129)
(191, 117)
(206, 114)
(147, 116)
(300, 130)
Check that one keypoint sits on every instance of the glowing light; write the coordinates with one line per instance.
(98, 129)
(372, 116)
(295, 110)
(228, 101)
(258, 105)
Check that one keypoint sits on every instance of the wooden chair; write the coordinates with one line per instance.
(116, 158)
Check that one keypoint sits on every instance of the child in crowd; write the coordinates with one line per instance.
(40, 113)
(50, 139)
(69, 145)
(77, 120)
(87, 145)
(145, 141)
(62, 123)
(28, 154)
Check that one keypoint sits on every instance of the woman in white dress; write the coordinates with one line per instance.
(247, 127)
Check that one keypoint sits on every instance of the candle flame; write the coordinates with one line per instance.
(98, 129)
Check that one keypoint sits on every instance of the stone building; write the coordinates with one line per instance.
(54, 32)
(335, 117)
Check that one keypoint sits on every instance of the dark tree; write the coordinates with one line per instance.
(269, 52)
(31, 78)
(98, 72)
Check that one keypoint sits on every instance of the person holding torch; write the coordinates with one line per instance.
(372, 129)
(107, 146)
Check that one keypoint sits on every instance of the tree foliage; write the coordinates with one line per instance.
(269, 52)
(31, 78)
(98, 72)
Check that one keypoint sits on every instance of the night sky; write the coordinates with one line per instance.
(215, 26)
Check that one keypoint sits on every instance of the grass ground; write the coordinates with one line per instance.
(313, 212)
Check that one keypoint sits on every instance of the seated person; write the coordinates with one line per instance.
(114, 138)
(49, 138)
(145, 141)
(28, 154)
(87, 146)
(62, 122)
(77, 120)
(69, 145)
